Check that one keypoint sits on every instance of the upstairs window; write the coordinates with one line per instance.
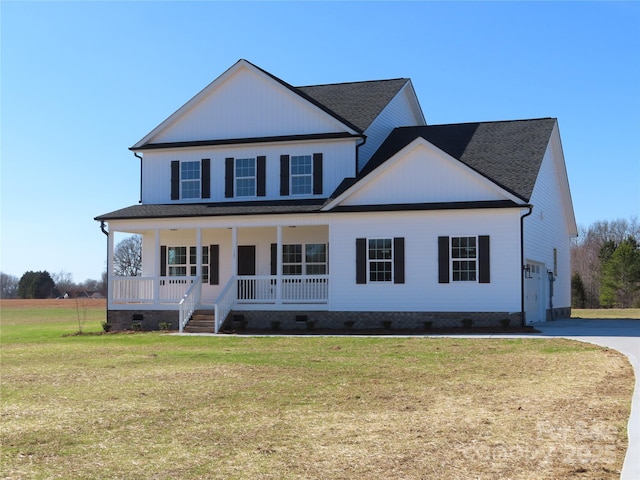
(301, 175)
(190, 180)
(245, 177)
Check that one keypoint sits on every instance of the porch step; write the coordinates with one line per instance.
(202, 321)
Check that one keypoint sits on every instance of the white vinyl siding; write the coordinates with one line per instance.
(338, 163)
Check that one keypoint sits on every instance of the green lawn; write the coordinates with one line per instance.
(606, 313)
(157, 406)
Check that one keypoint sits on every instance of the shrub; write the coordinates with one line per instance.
(349, 324)
(136, 326)
(310, 324)
(505, 322)
(165, 326)
(275, 325)
(386, 324)
(106, 326)
(467, 322)
(428, 325)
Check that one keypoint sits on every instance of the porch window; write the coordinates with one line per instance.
(301, 175)
(193, 260)
(245, 177)
(313, 262)
(177, 261)
(380, 260)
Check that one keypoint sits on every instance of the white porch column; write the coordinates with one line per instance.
(234, 252)
(110, 255)
(198, 251)
(279, 264)
(157, 269)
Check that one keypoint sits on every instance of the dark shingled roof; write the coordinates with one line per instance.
(509, 153)
(214, 209)
(358, 102)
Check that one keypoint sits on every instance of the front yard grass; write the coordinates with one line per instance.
(156, 406)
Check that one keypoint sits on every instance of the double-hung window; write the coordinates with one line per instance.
(307, 259)
(245, 177)
(190, 180)
(464, 259)
(380, 259)
(177, 261)
(301, 175)
(464, 254)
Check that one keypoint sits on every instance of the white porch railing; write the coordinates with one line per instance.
(141, 289)
(224, 303)
(189, 302)
(294, 289)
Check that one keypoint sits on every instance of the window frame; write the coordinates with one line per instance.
(460, 265)
(237, 178)
(196, 182)
(190, 263)
(301, 254)
(387, 273)
(297, 176)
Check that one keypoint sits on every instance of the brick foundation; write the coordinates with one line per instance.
(149, 319)
(288, 320)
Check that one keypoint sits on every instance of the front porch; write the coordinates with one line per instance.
(225, 269)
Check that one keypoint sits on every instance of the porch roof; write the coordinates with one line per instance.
(215, 209)
(282, 207)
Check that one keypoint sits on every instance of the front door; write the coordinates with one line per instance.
(246, 267)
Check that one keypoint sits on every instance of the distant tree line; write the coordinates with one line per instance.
(127, 261)
(605, 264)
(41, 284)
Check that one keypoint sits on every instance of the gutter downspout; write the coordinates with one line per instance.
(106, 291)
(522, 314)
(364, 140)
(140, 157)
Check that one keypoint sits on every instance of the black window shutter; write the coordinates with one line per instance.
(284, 175)
(214, 264)
(228, 177)
(206, 178)
(262, 175)
(484, 269)
(443, 259)
(398, 260)
(317, 174)
(361, 260)
(175, 180)
(274, 259)
(163, 261)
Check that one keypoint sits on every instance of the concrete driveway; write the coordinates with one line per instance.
(621, 335)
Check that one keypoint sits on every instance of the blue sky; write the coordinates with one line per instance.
(83, 81)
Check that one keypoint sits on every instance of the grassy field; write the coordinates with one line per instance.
(157, 406)
(606, 313)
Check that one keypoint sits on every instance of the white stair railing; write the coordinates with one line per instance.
(189, 302)
(225, 302)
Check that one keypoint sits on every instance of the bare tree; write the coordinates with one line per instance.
(127, 258)
(8, 285)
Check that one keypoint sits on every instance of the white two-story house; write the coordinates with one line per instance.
(338, 203)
